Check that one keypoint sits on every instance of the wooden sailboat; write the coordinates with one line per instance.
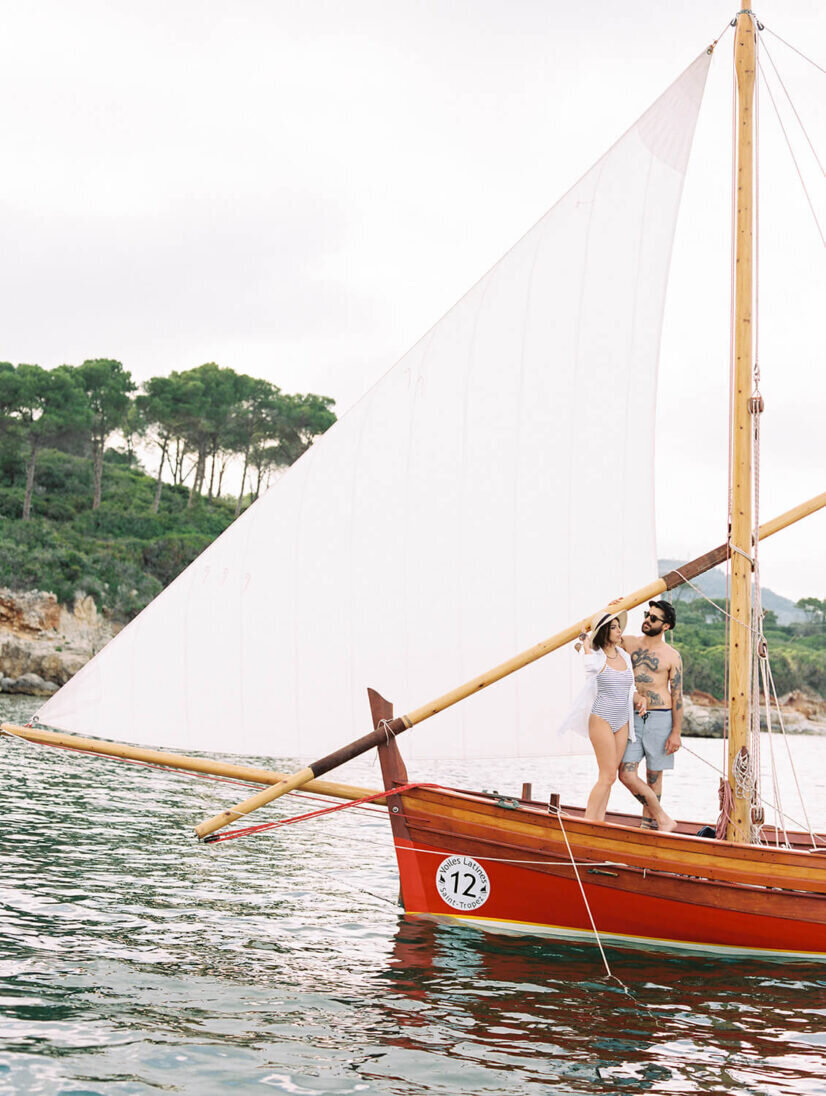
(510, 865)
(507, 864)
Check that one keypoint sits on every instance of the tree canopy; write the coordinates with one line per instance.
(46, 407)
(199, 422)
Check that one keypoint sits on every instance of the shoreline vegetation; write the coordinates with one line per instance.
(109, 492)
(84, 520)
(43, 643)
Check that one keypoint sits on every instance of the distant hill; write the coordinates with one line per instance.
(713, 584)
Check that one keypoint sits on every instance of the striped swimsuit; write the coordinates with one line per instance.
(611, 704)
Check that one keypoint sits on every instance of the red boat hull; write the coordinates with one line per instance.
(528, 902)
(512, 866)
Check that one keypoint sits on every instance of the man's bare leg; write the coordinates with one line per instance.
(628, 776)
(646, 795)
(655, 783)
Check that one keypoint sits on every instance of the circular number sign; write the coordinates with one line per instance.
(463, 883)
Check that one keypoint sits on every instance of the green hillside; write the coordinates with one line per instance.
(122, 554)
(82, 517)
(797, 652)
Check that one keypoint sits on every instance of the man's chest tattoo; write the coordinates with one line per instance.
(643, 660)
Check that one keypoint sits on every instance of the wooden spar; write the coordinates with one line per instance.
(720, 554)
(740, 639)
(180, 761)
(402, 723)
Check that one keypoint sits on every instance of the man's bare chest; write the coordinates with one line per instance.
(651, 668)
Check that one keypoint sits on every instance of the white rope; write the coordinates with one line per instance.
(719, 38)
(758, 641)
(713, 604)
(794, 158)
(795, 49)
(808, 826)
(585, 899)
(775, 782)
(743, 774)
(766, 802)
(794, 108)
(733, 548)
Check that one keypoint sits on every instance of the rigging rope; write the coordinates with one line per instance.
(815, 837)
(719, 37)
(795, 49)
(775, 782)
(608, 971)
(794, 108)
(773, 690)
(214, 838)
(794, 158)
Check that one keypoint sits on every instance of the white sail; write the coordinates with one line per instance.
(493, 487)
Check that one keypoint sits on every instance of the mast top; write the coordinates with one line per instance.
(746, 11)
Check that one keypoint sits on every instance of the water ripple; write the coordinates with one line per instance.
(135, 961)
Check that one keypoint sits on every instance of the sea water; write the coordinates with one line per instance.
(134, 960)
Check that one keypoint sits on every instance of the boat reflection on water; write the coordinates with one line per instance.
(551, 1011)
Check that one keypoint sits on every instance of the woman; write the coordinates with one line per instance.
(610, 685)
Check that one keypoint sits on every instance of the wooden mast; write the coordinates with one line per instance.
(740, 645)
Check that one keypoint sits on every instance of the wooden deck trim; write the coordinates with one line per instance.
(724, 862)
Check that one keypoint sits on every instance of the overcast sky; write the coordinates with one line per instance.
(299, 190)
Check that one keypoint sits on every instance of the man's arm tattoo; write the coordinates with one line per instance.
(677, 688)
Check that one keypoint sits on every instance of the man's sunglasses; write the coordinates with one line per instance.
(653, 619)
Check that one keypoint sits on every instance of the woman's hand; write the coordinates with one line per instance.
(640, 703)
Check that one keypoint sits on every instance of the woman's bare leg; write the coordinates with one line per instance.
(605, 746)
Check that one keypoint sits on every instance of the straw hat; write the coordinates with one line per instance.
(604, 616)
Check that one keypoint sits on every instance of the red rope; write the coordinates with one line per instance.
(214, 838)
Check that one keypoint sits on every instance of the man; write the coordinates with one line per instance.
(658, 673)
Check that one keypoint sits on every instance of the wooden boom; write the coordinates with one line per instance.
(395, 726)
(182, 762)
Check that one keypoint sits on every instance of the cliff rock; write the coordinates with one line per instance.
(42, 644)
(704, 716)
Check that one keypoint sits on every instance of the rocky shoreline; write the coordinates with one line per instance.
(704, 715)
(43, 644)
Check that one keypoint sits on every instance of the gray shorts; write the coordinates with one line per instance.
(651, 736)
